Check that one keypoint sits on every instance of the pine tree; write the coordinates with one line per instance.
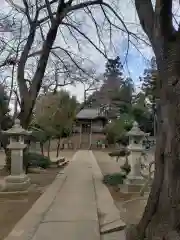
(149, 85)
(113, 80)
(150, 89)
(113, 77)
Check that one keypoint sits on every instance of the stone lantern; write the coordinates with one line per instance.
(134, 178)
(136, 137)
(17, 180)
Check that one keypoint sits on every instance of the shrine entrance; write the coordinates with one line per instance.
(85, 136)
(86, 128)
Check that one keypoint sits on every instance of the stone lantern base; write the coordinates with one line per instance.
(16, 183)
(133, 185)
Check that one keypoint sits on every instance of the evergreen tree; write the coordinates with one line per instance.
(125, 96)
(150, 89)
(142, 113)
(113, 77)
(149, 86)
(113, 80)
(116, 92)
(113, 69)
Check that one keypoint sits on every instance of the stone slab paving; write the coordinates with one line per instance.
(68, 210)
(27, 226)
(73, 214)
(114, 236)
(109, 214)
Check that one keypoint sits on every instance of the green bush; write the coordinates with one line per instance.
(119, 153)
(32, 159)
(114, 179)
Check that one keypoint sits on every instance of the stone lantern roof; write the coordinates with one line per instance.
(17, 130)
(136, 131)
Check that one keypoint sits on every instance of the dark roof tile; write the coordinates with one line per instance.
(89, 113)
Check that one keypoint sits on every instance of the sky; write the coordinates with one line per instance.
(136, 59)
(134, 69)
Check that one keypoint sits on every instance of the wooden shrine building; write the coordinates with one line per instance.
(89, 126)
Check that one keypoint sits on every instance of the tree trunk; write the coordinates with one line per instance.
(58, 147)
(161, 218)
(49, 145)
(42, 148)
(4, 142)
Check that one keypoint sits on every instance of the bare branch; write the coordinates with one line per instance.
(26, 11)
(13, 68)
(97, 30)
(16, 6)
(84, 4)
(85, 36)
(48, 6)
(23, 59)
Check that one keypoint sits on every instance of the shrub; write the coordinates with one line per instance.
(114, 179)
(119, 153)
(32, 159)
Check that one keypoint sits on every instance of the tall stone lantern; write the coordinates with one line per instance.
(134, 178)
(17, 180)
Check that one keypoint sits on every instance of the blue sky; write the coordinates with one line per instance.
(135, 66)
(136, 61)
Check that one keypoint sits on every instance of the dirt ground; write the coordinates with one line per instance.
(108, 165)
(14, 207)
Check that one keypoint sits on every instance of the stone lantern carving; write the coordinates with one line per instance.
(134, 178)
(17, 180)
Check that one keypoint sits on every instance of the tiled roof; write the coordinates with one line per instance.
(89, 113)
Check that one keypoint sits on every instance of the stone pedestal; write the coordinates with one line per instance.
(134, 181)
(133, 185)
(134, 161)
(17, 183)
(17, 180)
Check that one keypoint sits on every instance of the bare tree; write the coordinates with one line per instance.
(49, 19)
(46, 23)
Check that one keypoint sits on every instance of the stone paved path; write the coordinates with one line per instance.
(73, 215)
(68, 209)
